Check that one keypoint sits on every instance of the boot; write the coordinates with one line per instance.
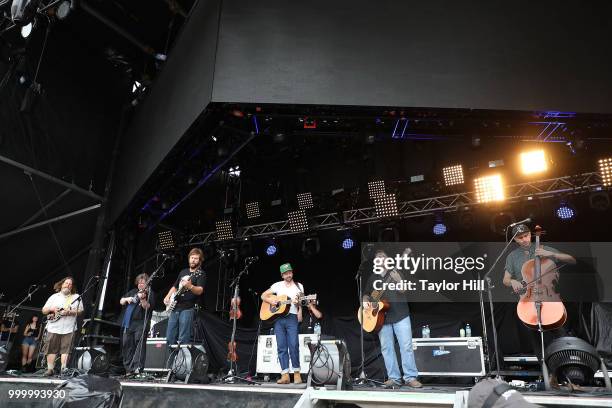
(297, 378)
(284, 379)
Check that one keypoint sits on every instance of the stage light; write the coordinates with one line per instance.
(310, 247)
(599, 200)
(439, 228)
(298, 221)
(388, 234)
(376, 189)
(453, 175)
(63, 10)
(564, 211)
(23, 11)
(166, 240)
(386, 206)
(533, 162)
(605, 170)
(573, 360)
(224, 230)
(305, 201)
(348, 243)
(489, 188)
(271, 250)
(496, 163)
(234, 171)
(417, 179)
(26, 30)
(253, 210)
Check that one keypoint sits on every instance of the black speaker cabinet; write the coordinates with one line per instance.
(157, 354)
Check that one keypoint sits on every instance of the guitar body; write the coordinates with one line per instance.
(373, 319)
(182, 289)
(554, 314)
(270, 312)
(54, 317)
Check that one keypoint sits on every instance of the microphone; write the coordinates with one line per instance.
(252, 258)
(525, 221)
(168, 256)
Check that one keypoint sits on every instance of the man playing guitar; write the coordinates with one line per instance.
(190, 282)
(61, 322)
(397, 321)
(286, 327)
(513, 278)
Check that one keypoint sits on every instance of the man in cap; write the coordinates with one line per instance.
(286, 327)
(513, 278)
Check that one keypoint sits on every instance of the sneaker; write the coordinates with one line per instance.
(49, 373)
(392, 384)
(414, 383)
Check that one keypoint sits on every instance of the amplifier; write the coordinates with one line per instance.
(449, 356)
(267, 354)
(157, 354)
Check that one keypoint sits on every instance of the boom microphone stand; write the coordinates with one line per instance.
(490, 286)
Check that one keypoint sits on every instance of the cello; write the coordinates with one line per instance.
(540, 303)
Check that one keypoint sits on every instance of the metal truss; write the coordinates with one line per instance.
(540, 189)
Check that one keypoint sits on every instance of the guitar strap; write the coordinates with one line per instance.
(68, 302)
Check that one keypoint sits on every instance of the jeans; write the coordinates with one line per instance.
(180, 323)
(287, 340)
(403, 332)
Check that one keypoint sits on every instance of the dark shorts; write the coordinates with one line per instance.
(58, 343)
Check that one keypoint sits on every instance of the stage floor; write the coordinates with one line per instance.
(162, 395)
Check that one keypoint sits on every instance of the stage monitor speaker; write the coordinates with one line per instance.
(4, 356)
(188, 363)
(92, 360)
(157, 354)
(330, 363)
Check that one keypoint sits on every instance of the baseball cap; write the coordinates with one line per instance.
(285, 268)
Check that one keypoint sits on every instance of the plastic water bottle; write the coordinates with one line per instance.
(317, 329)
(271, 331)
(425, 332)
(468, 330)
(462, 332)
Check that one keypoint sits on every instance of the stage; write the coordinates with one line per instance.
(162, 395)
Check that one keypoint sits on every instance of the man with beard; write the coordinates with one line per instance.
(61, 305)
(191, 283)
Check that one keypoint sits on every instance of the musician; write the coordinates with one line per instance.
(181, 319)
(512, 275)
(135, 320)
(60, 332)
(31, 336)
(286, 327)
(396, 325)
(310, 318)
(7, 328)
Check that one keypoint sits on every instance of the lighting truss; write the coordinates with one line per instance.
(453, 175)
(542, 189)
(305, 201)
(224, 230)
(298, 221)
(376, 189)
(253, 210)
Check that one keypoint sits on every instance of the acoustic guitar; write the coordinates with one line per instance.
(283, 303)
(374, 318)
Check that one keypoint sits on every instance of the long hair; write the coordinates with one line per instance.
(58, 285)
(139, 277)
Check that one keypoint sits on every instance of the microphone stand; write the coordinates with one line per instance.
(490, 286)
(232, 374)
(363, 378)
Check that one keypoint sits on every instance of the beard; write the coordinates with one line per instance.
(65, 291)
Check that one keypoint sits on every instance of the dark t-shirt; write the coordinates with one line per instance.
(188, 299)
(139, 312)
(398, 301)
(516, 259)
(308, 322)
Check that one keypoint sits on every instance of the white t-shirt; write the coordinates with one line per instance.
(66, 324)
(280, 288)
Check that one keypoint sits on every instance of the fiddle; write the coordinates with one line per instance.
(540, 304)
(235, 308)
(232, 354)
